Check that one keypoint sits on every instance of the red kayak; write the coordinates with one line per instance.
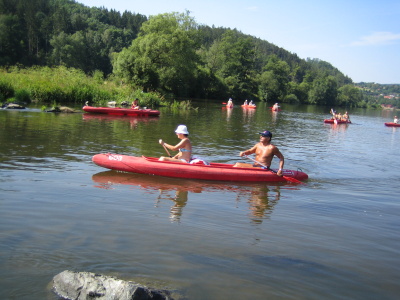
(213, 171)
(249, 106)
(391, 124)
(118, 111)
(332, 121)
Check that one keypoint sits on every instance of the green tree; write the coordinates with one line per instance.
(324, 91)
(231, 59)
(163, 56)
(349, 95)
(11, 40)
(69, 50)
(274, 80)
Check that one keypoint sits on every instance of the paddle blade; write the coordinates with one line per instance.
(224, 103)
(294, 180)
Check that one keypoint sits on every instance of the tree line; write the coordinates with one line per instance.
(170, 54)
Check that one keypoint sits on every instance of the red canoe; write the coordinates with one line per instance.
(122, 111)
(214, 171)
(331, 121)
(249, 106)
(391, 124)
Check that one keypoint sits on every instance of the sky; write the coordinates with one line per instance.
(360, 38)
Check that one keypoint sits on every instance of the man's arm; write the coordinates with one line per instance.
(281, 161)
(248, 152)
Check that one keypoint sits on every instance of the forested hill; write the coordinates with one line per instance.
(215, 62)
(51, 32)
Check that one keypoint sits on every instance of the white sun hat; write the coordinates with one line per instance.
(182, 129)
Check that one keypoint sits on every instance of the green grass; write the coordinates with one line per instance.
(68, 85)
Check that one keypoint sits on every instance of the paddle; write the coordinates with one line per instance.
(160, 140)
(294, 180)
(224, 103)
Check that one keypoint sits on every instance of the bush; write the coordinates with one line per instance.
(292, 98)
(22, 96)
(6, 90)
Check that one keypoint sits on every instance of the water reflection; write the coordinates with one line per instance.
(262, 202)
(336, 129)
(229, 111)
(274, 116)
(260, 197)
(133, 120)
(179, 197)
(248, 113)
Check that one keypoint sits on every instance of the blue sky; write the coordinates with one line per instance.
(360, 38)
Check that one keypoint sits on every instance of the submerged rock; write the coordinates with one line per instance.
(86, 285)
(12, 106)
(61, 109)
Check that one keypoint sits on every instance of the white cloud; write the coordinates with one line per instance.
(377, 38)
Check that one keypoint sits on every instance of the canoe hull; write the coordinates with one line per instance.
(249, 106)
(391, 124)
(330, 121)
(122, 111)
(214, 171)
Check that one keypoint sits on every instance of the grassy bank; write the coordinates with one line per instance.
(64, 86)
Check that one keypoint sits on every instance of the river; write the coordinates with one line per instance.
(335, 237)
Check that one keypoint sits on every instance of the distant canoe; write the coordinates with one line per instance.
(249, 106)
(391, 124)
(332, 121)
(122, 111)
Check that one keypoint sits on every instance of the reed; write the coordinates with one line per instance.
(185, 105)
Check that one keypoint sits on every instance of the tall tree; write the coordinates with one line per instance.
(163, 56)
(231, 59)
(349, 95)
(324, 91)
(274, 81)
(11, 40)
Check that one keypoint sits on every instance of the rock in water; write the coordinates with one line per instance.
(86, 285)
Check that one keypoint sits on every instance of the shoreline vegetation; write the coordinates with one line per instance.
(62, 86)
(55, 86)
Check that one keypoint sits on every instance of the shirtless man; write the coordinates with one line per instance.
(275, 107)
(265, 151)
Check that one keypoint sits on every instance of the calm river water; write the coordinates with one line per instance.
(336, 237)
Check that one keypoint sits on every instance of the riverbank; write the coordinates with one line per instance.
(61, 86)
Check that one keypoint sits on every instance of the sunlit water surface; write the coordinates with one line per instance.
(336, 237)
